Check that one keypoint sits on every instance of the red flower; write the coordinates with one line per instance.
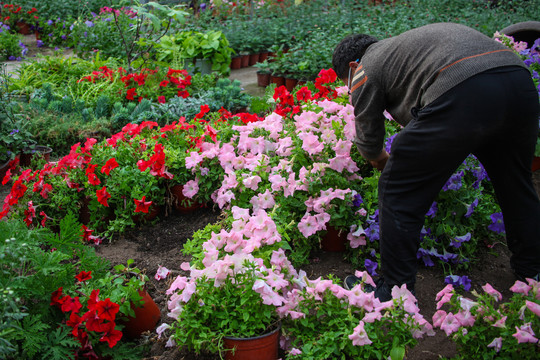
(45, 190)
(29, 214)
(161, 99)
(74, 321)
(84, 275)
(304, 94)
(204, 110)
(7, 177)
(93, 299)
(111, 336)
(164, 83)
(93, 179)
(106, 309)
(131, 93)
(93, 322)
(109, 165)
(45, 217)
(142, 205)
(183, 93)
(71, 304)
(103, 196)
(57, 297)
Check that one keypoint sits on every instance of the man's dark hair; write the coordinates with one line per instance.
(351, 48)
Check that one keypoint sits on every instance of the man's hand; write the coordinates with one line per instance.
(380, 161)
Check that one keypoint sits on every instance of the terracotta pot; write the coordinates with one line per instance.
(236, 63)
(153, 212)
(28, 155)
(290, 83)
(263, 79)
(263, 347)
(253, 59)
(536, 163)
(37, 35)
(179, 200)
(245, 60)
(263, 56)
(23, 28)
(301, 82)
(334, 241)
(277, 79)
(146, 317)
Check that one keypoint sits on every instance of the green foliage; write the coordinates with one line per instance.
(54, 9)
(9, 44)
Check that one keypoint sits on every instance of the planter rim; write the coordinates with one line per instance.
(278, 328)
(40, 148)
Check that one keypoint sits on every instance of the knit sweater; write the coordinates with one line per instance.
(412, 70)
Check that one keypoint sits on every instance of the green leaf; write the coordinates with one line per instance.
(397, 353)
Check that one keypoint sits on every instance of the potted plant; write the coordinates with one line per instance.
(229, 292)
(263, 73)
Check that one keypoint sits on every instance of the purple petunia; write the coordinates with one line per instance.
(458, 240)
(454, 183)
(371, 266)
(358, 200)
(459, 280)
(39, 43)
(50, 22)
(89, 23)
(372, 232)
(470, 208)
(432, 210)
(497, 224)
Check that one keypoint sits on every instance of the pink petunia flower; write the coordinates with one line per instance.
(161, 273)
(359, 336)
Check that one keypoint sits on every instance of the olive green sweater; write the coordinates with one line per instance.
(412, 70)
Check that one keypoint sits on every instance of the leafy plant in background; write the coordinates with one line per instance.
(9, 44)
(54, 9)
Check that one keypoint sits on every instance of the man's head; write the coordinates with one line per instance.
(349, 50)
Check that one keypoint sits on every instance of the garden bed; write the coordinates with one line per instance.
(161, 244)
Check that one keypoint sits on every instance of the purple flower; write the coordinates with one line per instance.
(459, 280)
(456, 242)
(388, 144)
(448, 257)
(64, 37)
(12, 58)
(454, 183)
(470, 208)
(433, 210)
(50, 35)
(372, 232)
(357, 200)
(39, 43)
(89, 23)
(203, 6)
(14, 131)
(50, 22)
(497, 224)
(425, 255)
(371, 266)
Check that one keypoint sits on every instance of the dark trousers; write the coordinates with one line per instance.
(493, 115)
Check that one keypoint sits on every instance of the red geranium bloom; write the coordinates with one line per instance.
(71, 304)
(131, 93)
(111, 336)
(84, 275)
(161, 99)
(106, 309)
(142, 205)
(103, 196)
(109, 165)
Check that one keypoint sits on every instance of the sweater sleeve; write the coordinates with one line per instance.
(368, 99)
